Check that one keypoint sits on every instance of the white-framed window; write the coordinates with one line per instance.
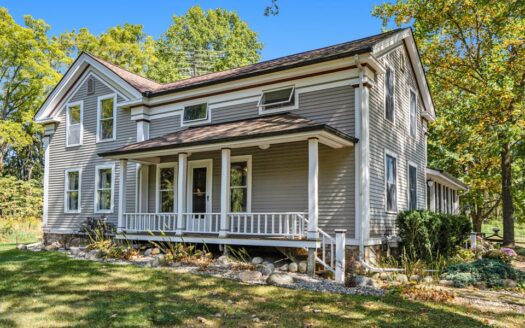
(72, 190)
(241, 184)
(166, 188)
(195, 113)
(277, 100)
(412, 186)
(390, 91)
(106, 117)
(413, 113)
(104, 188)
(74, 126)
(391, 181)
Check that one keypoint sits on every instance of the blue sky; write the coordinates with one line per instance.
(300, 26)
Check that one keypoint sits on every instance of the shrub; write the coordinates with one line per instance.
(99, 233)
(492, 271)
(20, 230)
(20, 198)
(497, 254)
(428, 235)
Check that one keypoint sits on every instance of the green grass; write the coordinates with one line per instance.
(21, 230)
(49, 289)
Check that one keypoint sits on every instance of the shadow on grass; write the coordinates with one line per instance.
(49, 289)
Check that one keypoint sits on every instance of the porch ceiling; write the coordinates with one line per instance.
(264, 130)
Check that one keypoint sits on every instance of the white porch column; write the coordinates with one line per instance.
(181, 193)
(432, 195)
(340, 259)
(122, 194)
(225, 192)
(141, 200)
(313, 188)
(45, 144)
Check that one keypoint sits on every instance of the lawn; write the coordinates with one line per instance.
(49, 289)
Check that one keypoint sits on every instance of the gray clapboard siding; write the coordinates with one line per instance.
(235, 112)
(161, 126)
(396, 138)
(85, 157)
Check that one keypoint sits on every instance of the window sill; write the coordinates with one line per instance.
(263, 111)
(73, 146)
(104, 212)
(106, 140)
(73, 212)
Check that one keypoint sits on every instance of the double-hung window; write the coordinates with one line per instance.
(412, 187)
(106, 122)
(389, 94)
(166, 182)
(277, 100)
(391, 183)
(413, 113)
(195, 113)
(74, 124)
(240, 184)
(104, 188)
(72, 191)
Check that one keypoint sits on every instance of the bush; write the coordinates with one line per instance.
(428, 235)
(492, 271)
(99, 233)
(20, 198)
(20, 230)
(497, 254)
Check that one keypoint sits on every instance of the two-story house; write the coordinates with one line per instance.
(280, 153)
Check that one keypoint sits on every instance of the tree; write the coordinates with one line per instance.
(30, 62)
(474, 55)
(202, 42)
(124, 45)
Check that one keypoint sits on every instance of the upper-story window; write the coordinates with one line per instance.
(389, 94)
(391, 182)
(413, 113)
(106, 118)
(277, 100)
(195, 113)
(72, 191)
(74, 124)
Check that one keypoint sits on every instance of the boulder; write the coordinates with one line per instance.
(363, 281)
(428, 280)
(224, 261)
(415, 278)
(94, 254)
(385, 276)
(292, 267)
(509, 283)
(148, 251)
(257, 260)
(74, 251)
(249, 276)
(267, 269)
(402, 278)
(446, 283)
(52, 247)
(155, 251)
(21, 247)
(279, 279)
(81, 254)
(284, 267)
(303, 266)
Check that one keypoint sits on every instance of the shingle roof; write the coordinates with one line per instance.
(347, 49)
(262, 126)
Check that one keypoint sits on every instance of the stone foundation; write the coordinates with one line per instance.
(66, 240)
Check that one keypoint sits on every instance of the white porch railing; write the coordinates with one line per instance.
(166, 222)
(202, 222)
(288, 224)
(327, 250)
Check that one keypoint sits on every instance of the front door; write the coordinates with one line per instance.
(199, 186)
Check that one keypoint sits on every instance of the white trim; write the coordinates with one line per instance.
(313, 189)
(81, 136)
(394, 155)
(66, 189)
(45, 205)
(387, 66)
(208, 164)
(442, 179)
(293, 95)
(99, 117)
(248, 160)
(410, 90)
(414, 165)
(198, 121)
(97, 177)
(175, 167)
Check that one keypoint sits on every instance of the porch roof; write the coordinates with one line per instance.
(242, 133)
(445, 178)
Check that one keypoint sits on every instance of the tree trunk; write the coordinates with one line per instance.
(506, 196)
(476, 223)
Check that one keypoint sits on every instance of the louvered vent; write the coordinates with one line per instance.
(90, 86)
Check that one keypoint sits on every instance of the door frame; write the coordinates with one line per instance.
(208, 164)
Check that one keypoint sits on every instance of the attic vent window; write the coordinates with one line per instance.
(194, 113)
(90, 86)
(276, 100)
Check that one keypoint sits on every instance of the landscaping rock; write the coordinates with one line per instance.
(283, 267)
(280, 279)
(94, 254)
(224, 261)
(363, 281)
(267, 269)
(303, 266)
(148, 251)
(21, 247)
(257, 260)
(81, 254)
(74, 251)
(155, 251)
(415, 278)
(292, 267)
(446, 283)
(385, 276)
(52, 247)
(402, 278)
(428, 280)
(250, 276)
(509, 283)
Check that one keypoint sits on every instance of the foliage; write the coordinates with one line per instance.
(474, 57)
(20, 229)
(182, 252)
(203, 42)
(492, 271)
(99, 232)
(462, 255)
(427, 235)
(20, 198)
(497, 254)
(122, 251)
(422, 293)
